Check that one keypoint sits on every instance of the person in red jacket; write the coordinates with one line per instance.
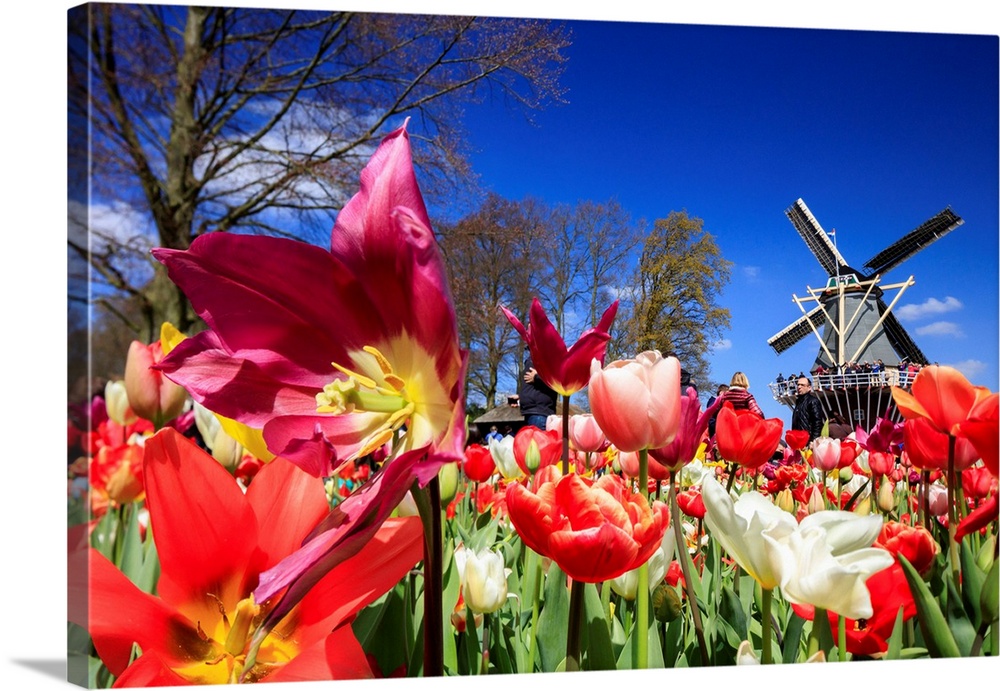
(740, 396)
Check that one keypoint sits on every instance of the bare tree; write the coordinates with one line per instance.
(490, 260)
(213, 119)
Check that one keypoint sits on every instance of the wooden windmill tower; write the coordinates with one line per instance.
(853, 323)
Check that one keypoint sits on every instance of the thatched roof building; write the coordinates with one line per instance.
(509, 415)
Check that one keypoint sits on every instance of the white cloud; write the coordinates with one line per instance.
(751, 272)
(724, 344)
(970, 368)
(931, 306)
(941, 329)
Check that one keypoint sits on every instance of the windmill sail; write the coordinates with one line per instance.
(898, 337)
(815, 238)
(914, 241)
(796, 331)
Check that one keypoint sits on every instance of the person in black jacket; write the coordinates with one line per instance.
(536, 399)
(808, 414)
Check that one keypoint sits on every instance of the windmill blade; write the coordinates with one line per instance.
(914, 241)
(815, 237)
(898, 337)
(797, 330)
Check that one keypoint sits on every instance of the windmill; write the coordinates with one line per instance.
(857, 324)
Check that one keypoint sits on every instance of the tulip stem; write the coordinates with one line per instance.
(534, 564)
(925, 504)
(841, 638)
(682, 557)
(606, 604)
(485, 667)
(642, 589)
(576, 594)
(956, 566)
(765, 623)
(433, 585)
(565, 435)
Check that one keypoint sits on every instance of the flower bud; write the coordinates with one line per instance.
(785, 501)
(448, 481)
(886, 497)
(483, 578)
(152, 396)
(817, 502)
(666, 603)
(116, 403)
(846, 474)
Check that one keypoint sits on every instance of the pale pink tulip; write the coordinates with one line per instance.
(585, 434)
(637, 402)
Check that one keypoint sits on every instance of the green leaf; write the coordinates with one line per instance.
(793, 638)
(473, 649)
(673, 642)
(595, 640)
(972, 583)
(731, 611)
(988, 598)
(933, 624)
(895, 641)
(962, 629)
(553, 620)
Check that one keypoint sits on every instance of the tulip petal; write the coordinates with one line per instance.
(186, 487)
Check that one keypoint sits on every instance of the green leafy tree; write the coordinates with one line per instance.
(678, 280)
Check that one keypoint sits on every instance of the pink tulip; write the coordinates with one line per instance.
(637, 402)
(565, 370)
(825, 454)
(585, 434)
(151, 396)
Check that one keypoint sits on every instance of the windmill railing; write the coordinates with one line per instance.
(847, 380)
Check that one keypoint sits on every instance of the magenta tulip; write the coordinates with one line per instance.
(637, 402)
(565, 370)
(690, 434)
(376, 306)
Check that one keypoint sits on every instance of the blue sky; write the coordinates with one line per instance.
(876, 131)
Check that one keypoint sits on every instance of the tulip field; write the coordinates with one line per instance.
(291, 495)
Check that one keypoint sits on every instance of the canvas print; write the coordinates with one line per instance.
(424, 345)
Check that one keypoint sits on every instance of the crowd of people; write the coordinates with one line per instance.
(852, 375)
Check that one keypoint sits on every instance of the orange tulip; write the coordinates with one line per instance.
(941, 395)
(594, 531)
(745, 438)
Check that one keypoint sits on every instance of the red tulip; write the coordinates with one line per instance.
(478, 463)
(927, 448)
(797, 439)
(637, 402)
(594, 531)
(889, 593)
(745, 438)
(881, 463)
(983, 431)
(565, 370)
(691, 503)
(913, 542)
(984, 514)
(940, 395)
(534, 449)
(978, 482)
